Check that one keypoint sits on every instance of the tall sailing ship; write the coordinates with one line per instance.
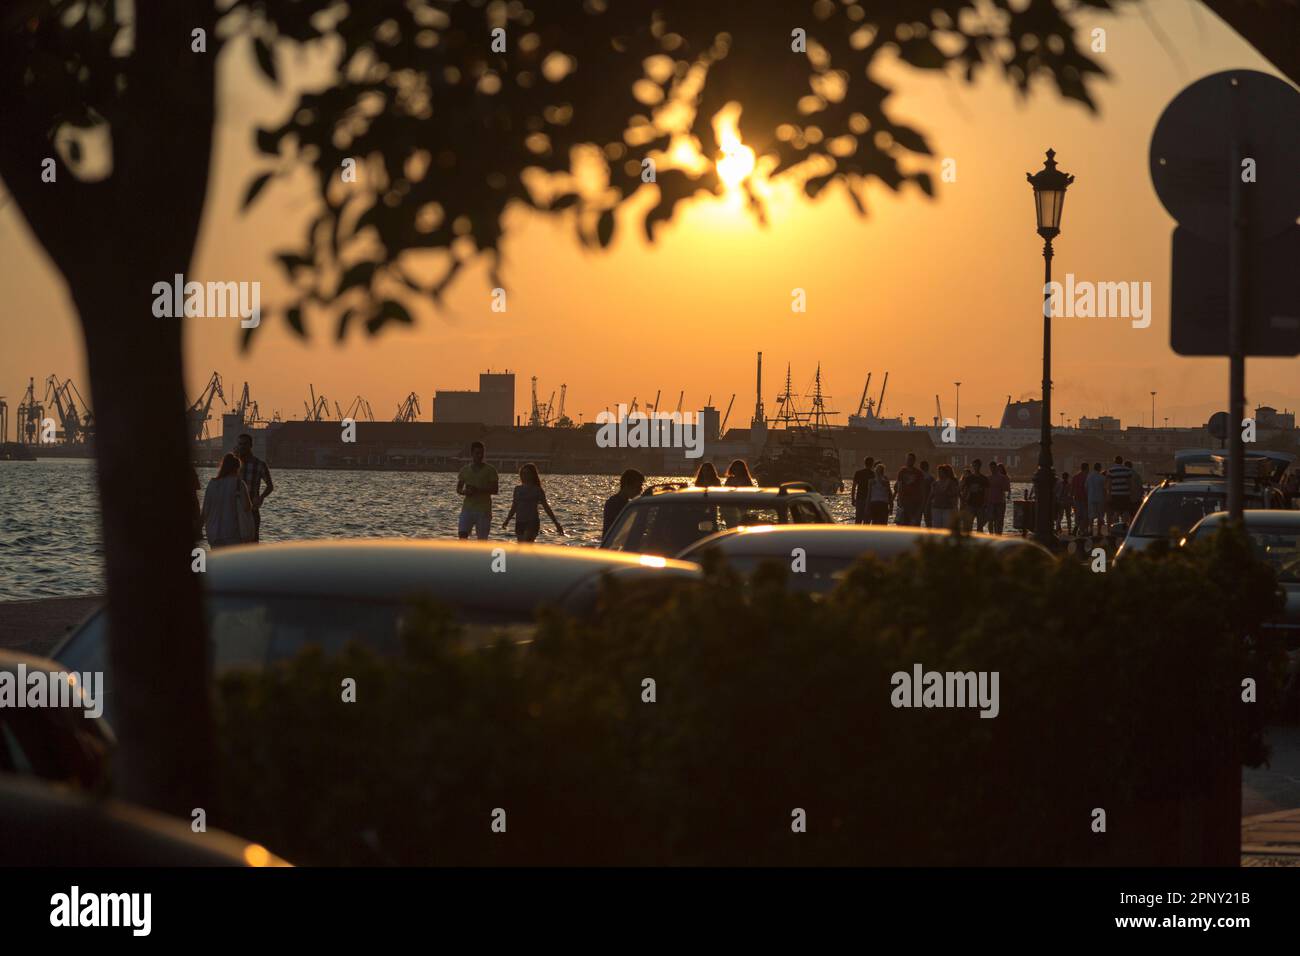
(800, 446)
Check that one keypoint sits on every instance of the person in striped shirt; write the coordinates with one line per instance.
(1119, 491)
(254, 472)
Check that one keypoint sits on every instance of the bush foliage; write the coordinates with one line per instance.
(1120, 691)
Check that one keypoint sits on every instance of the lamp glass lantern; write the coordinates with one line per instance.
(1049, 195)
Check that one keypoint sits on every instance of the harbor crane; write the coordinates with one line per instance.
(539, 415)
(864, 405)
(197, 415)
(722, 426)
(246, 408)
(562, 420)
(409, 409)
(358, 410)
(64, 396)
(319, 409)
(938, 411)
(30, 414)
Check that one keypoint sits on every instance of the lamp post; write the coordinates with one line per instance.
(1049, 185)
(1153, 409)
(957, 423)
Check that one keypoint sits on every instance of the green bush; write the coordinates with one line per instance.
(1119, 691)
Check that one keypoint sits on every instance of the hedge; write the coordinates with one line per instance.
(1120, 692)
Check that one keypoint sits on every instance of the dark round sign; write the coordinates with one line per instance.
(1193, 161)
(1218, 426)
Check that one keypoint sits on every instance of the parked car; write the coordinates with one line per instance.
(667, 518)
(1199, 488)
(48, 825)
(55, 743)
(829, 550)
(267, 602)
(1275, 536)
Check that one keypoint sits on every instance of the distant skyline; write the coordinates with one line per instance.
(931, 291)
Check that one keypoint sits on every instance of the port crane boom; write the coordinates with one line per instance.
(198, 413)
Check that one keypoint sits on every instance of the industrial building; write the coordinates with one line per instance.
(493, 404)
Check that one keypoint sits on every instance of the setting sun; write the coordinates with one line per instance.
(737, 160)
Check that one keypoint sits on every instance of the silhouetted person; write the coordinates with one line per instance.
(1079, 497)
(1096, 485)
(255, 473)
(858, 493)
(477, 482)
(227, 510)
(529, 495)
(707, 476)
(880, 497)
(944, 498)
(928, 481)
(974, 496)
(910, 491)
(999, 491)
(630, 484)
(738, 475)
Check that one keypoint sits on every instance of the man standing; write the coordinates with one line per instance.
(927, 517)
(910, 490)
(861, 479)
(477, 483)
(629, 487)
(974, 495)
(1119, 489)
(999, 490)
(254, 472)
(1079, 497)
(1096, 499)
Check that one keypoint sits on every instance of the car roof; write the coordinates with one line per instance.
(392, 568)
(834, 540)
(48, 825)
(1259, 517)
(719, 491)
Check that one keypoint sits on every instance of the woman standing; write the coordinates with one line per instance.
(880, 498)
(706, 476)
(738, 475)
(529, 494)
(227, 511)
(943, 497)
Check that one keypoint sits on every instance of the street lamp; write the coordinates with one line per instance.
(957, 422)
(1049, 185)
(1153, 409)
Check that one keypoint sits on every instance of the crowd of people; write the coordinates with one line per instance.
(938, 499)
(1085, 503)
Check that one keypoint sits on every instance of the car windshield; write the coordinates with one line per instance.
(666, 527)
(1280, 547)
(254, 630)
(1172, 511)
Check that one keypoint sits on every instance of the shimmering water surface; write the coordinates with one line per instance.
(49, 515)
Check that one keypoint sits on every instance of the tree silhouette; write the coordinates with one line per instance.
(448, 123)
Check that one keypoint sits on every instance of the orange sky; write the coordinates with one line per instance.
(932, 291)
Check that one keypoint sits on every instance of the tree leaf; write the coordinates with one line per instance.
(389, 311)
(265, 58)
(605, 228)
(254, 188)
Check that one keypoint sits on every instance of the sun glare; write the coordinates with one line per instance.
(737, 160)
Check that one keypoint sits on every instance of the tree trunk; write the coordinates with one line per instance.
(158, 654)
(112, 240)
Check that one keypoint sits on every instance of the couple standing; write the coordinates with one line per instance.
(232, 502)
(478, 482)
